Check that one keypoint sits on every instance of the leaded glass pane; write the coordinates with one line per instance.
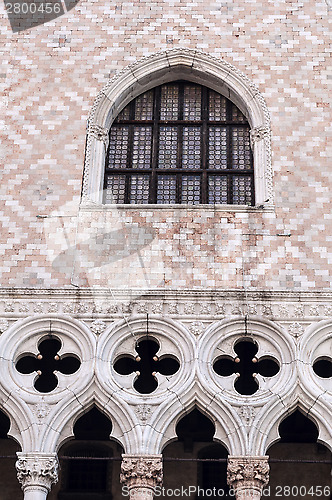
(169, 107)
(237, 115)
(115, 189)
(139, 188)
(241, 155)
(192, 103)
(191, 187)
(218, 192)
(242, 190)
(118, 148)
(144, 106)
(217, 151)
(124, 114)
(142, 146)
(166, 189)
(191, 148)
(167, 160)
(168, 144)
(217, 107)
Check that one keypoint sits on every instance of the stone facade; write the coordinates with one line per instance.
(197, 278)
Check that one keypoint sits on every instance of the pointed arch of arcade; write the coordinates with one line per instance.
(311, 394)
(227, 432)
(30, 410)
(317, 414)
(123, 429)
(45, 423)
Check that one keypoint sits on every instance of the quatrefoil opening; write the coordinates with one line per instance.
(46, 363)
(246, 366)
(323, 367)
(146, 364)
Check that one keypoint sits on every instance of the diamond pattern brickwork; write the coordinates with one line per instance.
(49, 77)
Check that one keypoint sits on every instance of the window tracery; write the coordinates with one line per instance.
(46, 363)
(146, 364)
(246, 366)
(323, 367)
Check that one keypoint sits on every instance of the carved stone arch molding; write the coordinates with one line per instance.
(166, 66)
(169, 414)
(120, 340)
(249, 411)
(20, 423)
(316, 390)
(22, 339)
(316, 344)
(270, 421)
(123, 425)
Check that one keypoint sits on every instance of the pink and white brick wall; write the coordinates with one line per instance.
(49, 78)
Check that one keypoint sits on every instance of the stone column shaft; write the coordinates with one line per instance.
(140, 474)
(247, 476)
(35, 493)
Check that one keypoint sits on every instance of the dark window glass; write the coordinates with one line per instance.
(170, 144)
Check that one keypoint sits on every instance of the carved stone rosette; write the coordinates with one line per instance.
(37, 471)
(140, 474)
(247, 476)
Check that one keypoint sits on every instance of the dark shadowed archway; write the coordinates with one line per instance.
(89, 468)
(300, 466)
(9, 485)
(195, 465)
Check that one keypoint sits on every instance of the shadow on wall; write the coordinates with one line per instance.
(25, 15)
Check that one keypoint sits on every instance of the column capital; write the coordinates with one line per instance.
(248, 475)
(141, 471)
(99, 133)
(259, 133)
(37, 470)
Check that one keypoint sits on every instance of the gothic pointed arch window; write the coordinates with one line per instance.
(179, 143)
(173, 128)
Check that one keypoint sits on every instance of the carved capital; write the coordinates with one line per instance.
(99, 133)
(259, 133)
(37, 470)
(141, 471)
(247, 474)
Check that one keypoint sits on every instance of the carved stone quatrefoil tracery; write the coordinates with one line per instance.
(246, 366)
(46, 363)
(323, 367)
(146, 364)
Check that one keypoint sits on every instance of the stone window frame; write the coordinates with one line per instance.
(167, 66)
